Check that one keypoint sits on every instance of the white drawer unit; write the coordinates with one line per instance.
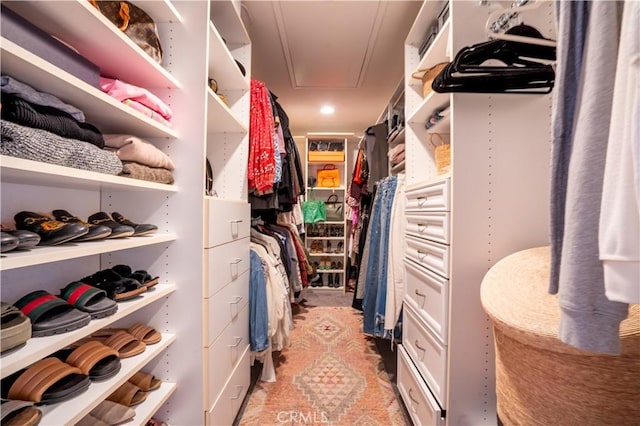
(223, 309)
(427, 353)
(224, 264)
(428, 294)
(226, 221)
(228, 404)
(431, 226)
(429, 254)
(224, 354)
(421, 405)
(432, 196)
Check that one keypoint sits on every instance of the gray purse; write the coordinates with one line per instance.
(334, 209)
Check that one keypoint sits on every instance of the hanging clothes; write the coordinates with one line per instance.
(262, 163)
(588, 319)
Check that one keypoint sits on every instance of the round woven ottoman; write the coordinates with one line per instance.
(541, 380)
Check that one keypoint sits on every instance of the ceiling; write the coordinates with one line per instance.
(349, 54)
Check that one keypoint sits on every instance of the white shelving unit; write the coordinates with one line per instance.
(191, 34)
(331, 265)
(493, 202)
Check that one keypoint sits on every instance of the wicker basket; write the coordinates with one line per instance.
(427, 76)
(539, 379)
(442, 153)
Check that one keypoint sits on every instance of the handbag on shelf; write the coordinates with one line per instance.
(135, 23)
(442, 153)
(313, 211)
(334, 209)
(328, 176)
(427, 76)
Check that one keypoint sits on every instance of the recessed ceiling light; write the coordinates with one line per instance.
(327, 110)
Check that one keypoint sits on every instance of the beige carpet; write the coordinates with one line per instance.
(331, 374)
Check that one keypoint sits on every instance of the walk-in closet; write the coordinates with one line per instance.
(248, 213)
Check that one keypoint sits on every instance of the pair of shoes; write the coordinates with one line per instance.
(135, 390)
(116, 286)
(316, 246)
(20, 413)
(51, 314)
(121, 226)
(329, 249)
(96, 232)
(330, 280)
(340, 247)
(16, 327)
(94, 359)
(47, 381)
(108, 413)
(325, 263)
(17, 239)
(316, 281)
(51, 232)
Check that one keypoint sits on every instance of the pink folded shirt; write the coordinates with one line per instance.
(124, 91)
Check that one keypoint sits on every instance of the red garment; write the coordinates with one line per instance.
(261, 170)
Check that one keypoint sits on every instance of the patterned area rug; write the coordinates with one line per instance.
(330, 374)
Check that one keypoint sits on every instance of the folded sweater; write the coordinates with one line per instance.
(40, 145)
(50, 119)
(132, 148)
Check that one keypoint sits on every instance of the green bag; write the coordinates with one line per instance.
(313, 211)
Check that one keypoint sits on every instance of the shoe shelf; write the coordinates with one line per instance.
(155, 399)
(109, 48)
(330, 271)
(100, 109)
(74, 409)
(19, 170)
(326, 254)
(37, 348)
(41, 255)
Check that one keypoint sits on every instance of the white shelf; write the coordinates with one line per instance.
(437, 52)
(427, 15)
(229, 23)
(397, 138)
(73, 410)
(325, 238)
(220, 119)
(442, 126)
(341, 254)
(100, 109)
(431, 103)
(37, 348)
(18, 170)
(41, 255)
(224, 68)
(398, 167)
(110, 49)
(154, 400)
(339, 188)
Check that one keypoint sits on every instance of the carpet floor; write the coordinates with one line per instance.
(331, 374)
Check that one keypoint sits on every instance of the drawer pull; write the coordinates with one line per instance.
(421, 228)
(420, 294)
(236, 221)
(421, 254)
(238, 299)
(240, 388)
(415, 401)
(419, 347)
(236, 261)
(239, 339)
(421, 201)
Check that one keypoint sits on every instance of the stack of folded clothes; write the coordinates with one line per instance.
(396, 154)
(38, 126)
(138, 98)
(141, 159)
